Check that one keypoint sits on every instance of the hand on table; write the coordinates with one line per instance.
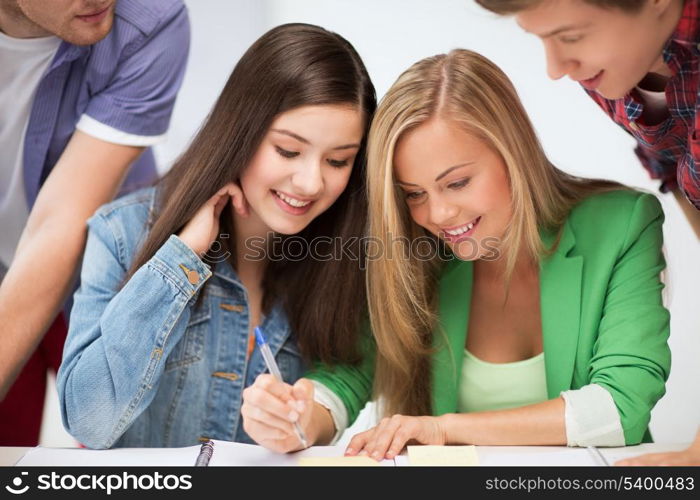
(387, 439)
(690, 456)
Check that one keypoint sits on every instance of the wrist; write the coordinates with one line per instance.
(456, 428)
(184, 239)
(320, 429)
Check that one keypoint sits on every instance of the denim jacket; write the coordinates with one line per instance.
(148, 364)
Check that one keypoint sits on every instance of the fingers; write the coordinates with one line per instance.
(303, 394)
(390, 437)
(358, 442)
(269, 415)
(272, 426)
(272, 439)
(402, 435)
(262, 404)
(392, 434)
(658, 459)
(240, 204)
(234, 192)
(267, 388)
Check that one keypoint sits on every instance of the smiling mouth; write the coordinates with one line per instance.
(592, 83)
(456, 233)
(292, 202)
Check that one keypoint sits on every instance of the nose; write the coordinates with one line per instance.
(558, 64)
(442, 213)
(307, 180)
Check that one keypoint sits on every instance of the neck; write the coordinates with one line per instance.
(251, 236)
(668, 23)
(495, 270)
(15, 24)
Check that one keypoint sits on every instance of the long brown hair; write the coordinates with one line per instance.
(290, 66)
(474, 93)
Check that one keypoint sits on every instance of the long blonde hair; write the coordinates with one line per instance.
(471, 91)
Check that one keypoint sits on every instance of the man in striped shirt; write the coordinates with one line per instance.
(86, 87)
(640, 62)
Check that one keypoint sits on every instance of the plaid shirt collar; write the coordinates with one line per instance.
(685, 37)
(678, 48)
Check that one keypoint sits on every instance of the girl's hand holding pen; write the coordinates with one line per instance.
(271, 408)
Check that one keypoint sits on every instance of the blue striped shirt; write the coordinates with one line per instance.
(128, 81)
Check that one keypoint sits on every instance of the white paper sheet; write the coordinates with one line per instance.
(118, 457)
(225, 454)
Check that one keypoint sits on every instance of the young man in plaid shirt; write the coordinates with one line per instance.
(639, 60)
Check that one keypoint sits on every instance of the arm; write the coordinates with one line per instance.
(119, 340)
(350, 384)
(87, 175)
(139, 102)
(120, 337)
(631, 357)
(537, 424)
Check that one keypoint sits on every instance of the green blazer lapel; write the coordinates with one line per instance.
(449, 340)
(560, 306)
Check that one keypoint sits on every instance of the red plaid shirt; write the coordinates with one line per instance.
(670, 150)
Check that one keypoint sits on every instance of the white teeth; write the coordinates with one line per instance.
(291, 201)
(461, 230)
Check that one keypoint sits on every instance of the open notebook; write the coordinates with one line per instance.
(225, 453)
(228, 453)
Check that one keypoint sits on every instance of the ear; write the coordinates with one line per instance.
(661, 6)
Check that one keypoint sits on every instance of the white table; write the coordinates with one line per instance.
(488, 455)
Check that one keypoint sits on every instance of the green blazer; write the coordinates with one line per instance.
(603, 320)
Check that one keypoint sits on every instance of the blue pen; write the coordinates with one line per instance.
(275, 371)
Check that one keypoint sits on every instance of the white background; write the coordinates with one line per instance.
(390, 35)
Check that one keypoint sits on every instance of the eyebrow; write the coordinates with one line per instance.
(306, 141)
(446, 172)
(562, 29)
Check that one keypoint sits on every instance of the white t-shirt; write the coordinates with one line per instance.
(23, 63)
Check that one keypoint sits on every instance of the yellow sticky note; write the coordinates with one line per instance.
(443, 455)
(337, 462)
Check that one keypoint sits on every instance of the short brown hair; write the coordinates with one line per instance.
(505, 7)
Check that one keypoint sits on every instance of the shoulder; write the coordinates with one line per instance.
(614, 219)
(124, 222)
(131, 208)
(137, 22)
(147, 16)
(613, 208)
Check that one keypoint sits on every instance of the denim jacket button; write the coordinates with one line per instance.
(193, 277)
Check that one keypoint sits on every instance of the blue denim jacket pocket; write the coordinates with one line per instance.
(190, 348)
